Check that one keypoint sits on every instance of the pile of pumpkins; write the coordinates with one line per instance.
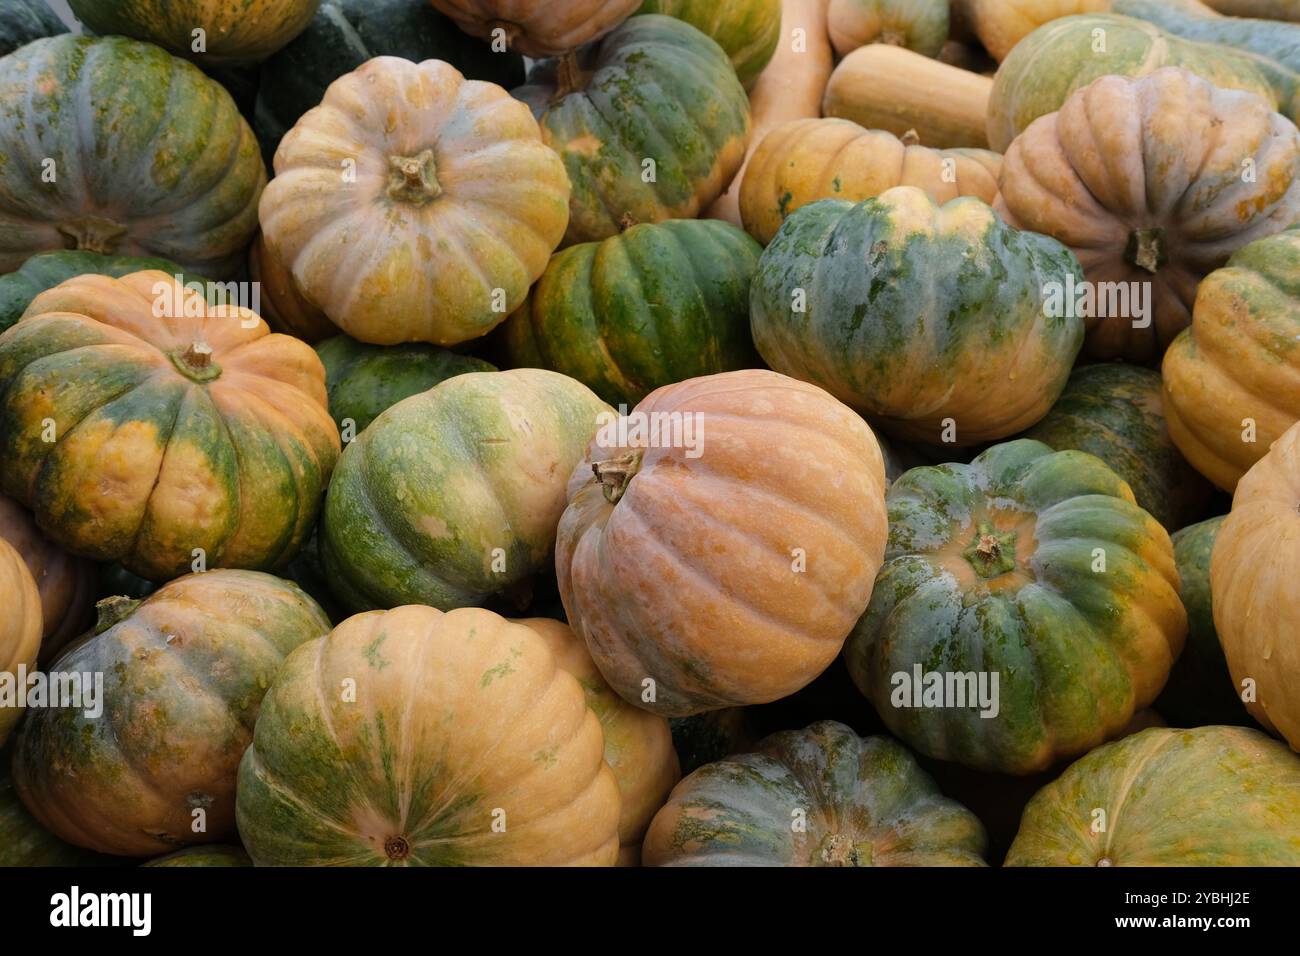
(676, 432)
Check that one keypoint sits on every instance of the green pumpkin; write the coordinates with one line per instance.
(862, 802)
(1212, 796)
(346, 33)
(22, 21)
(748, 30)
(363, 380)
(657, 304)
(928, 319)
(1029, 566)
(651, 123)
(1279, 42)
(204, 856)
(151, 157)
(1116, 412)
(1045, 67)
(452, 497)
(24, 842)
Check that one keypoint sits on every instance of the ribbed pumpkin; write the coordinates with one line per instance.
(414, 205)
(20, 633)
(364, 380)
(660, 303)
(24, 842)
(1253, 576)
(821, 796)
(748, 30)
(806, 160)
(931, 320)
(1115, 412)
(147, 156)
(452, 496)
(66, 583)
(638, 745)
(205, 856)
(920, 25)
(1232, 380)
(651, 124)
(1134, 176)
(538, 27)
(1032, 565)
(140, 437)
(184, 672)
(1212, 796)
(724, 564)
(283, 306)
(416, 738)
(22, 21)
(241, 32)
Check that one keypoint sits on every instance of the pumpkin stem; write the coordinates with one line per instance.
(616, 473)
(992, 553)
(92, 234)
(839, 850)
(626, 222)
(569, 76)
(910, 138)
(893, 38)
(511, 30)
(397, 847)
(1146, 249)
(414, 179)
(195, 362)
(112, 610)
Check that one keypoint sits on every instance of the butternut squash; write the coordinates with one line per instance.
(1000, 24)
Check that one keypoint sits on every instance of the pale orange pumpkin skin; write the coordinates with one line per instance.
(539, 28)
(283, 306)
(734, 576)
(66, 583)
(20, 627)
(1253, 576)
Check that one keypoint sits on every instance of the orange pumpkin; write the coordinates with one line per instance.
(538, 28)
(283, 306)
(20, 628)
(66, 583)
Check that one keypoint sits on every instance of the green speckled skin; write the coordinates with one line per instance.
(1115, 412)
(183, 678)
(134, 174)
(22, 21)
(748, 30)
(221, 856)
(657, 304)
(1212, 796)
(1078, 649)
(24, 842)
(422, 498)
(863, 802)
(914, 313)
(658, 89)
(364, 380)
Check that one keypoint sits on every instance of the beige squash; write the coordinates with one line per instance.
(920, 25)
(1001, 24)
(20, 627)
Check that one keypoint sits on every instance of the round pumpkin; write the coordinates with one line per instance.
(140, 438)
(175, 169)
(538, 28)
(920, 25)
(748, 30)
(66, 583)
(1115, 412)
(821, 796)
(1031, 568)
(722, 561)
(363, 380)
(806, 160)
(245, 32)
(931, 320)
(184, 672)
(417, 738)
(414, 205)
(1253, 575)
(657, 304)
(1135, 177)
(451, 497)
(22, 21)
(638, 745)
(20, 634)
(1232, 379)
(24, 842)
(651, 124)
(205, 856)
(1211, 796)
(282, 305)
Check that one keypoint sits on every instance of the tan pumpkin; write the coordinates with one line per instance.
(66, 583)
(538, 28)
(453, 211)
(725, 559)
(886, 87)
(1001, 24)
(20, 632)
(1143, 178)
(789, 88)
(920, 25)
(638, 744)
(805, 160)
(283, 306)
(1253, 575)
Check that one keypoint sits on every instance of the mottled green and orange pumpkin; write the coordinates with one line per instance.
(142, 425)
(821, 796)
(370, 751)
(931, 320)
(23, 841)
(538, 28)
(748, 30)
(66, 583)
(657, 304)
(205, 856)
(183, 674)
(117, 147)
(20, 634)
(1210, 796)
(1031, 568)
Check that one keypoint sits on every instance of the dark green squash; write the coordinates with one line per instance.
(748, 30)
(22, 21)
